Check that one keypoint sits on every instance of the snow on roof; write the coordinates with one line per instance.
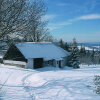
(46, 50)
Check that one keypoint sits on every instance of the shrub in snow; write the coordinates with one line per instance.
(97, 83)
(73, 59)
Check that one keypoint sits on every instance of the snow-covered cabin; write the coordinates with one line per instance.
(35, 55)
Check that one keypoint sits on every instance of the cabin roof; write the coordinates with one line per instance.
(46, 50)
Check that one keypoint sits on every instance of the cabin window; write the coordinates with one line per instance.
(46, 62)
(50, 62)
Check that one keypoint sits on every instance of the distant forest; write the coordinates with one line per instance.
(85, 56)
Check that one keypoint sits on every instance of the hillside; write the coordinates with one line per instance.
(48, 83)
(91, 45)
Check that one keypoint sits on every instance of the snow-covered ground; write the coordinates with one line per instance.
(86, 48)
(98, 47)
(48, 83)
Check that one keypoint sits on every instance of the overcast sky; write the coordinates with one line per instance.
(74, 18)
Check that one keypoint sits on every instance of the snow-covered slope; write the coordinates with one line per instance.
(48, 83)
(86, 48)
(90, 46)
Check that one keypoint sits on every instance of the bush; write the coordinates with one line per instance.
(97, 83)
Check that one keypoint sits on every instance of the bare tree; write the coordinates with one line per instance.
(11, 19)
(36, 28)
(21, 20)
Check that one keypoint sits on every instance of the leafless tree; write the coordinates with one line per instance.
(11, 19)
(36, 30)
(22, 20)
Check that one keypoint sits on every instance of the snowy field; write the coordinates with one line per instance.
(48, 83)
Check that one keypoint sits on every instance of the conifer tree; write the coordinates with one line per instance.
(61, 44)
(92, 57)
(82, 54)
(66, 47)
(73, 59)
(82, 50)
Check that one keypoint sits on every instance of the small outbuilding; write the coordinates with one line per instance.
(35, 55)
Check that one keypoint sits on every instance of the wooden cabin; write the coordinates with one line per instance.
(35, 55)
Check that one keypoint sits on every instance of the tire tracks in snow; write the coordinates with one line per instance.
(28, 88)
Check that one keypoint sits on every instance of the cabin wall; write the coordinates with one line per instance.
(55, 63)
(30, 63)
(48, 63)
(14, 54)
(64, 61)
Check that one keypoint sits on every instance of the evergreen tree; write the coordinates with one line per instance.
(82, 50)
(88, 57)
(92, 57)
(61, 43)
(73, 59)
(70, 47)
(66, 47)
(82, 53)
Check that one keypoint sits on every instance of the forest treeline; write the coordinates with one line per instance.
(84, 56)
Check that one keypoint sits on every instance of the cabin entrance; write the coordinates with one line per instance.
(59, 63)
(38, 63)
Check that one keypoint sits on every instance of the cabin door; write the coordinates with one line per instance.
(60, 64)
(38, 63)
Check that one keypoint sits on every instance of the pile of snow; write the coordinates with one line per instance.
(49, 83)
(14, 62)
